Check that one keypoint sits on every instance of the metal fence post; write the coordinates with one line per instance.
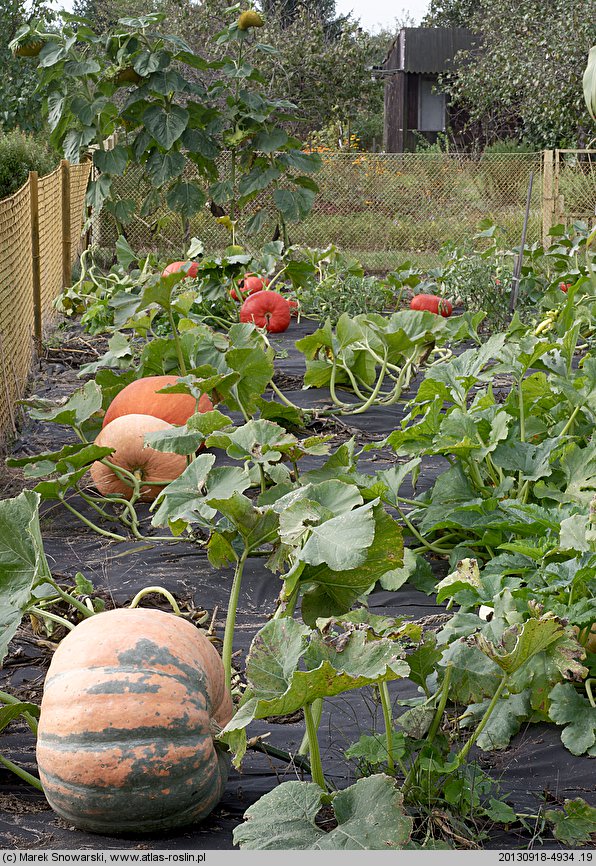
(66, 238)
(548, 199)
(35, 259)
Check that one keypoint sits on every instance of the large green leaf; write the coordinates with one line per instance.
(294, 204)
(504, 721)
(111, 161)
(74, 411)
(341, 542)
(519, 643)
(259, 441)
(22, 561)
(257, 526)
(162, 167)
(333, 665)
(165, 125)
(184, 500)
(369, 815)
(573, 710)
(331, 593)
(185, 198)
(575, 825)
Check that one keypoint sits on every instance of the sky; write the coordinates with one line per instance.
(376, 14)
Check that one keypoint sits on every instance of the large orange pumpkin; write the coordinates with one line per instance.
(141, 397)
(126, 435)
(131, 701)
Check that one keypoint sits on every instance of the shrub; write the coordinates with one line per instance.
(19, 154)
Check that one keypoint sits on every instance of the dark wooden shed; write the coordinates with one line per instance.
(413, 107)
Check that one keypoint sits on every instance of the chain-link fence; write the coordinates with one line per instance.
(382, 208)
(575, 185)
(40, 230)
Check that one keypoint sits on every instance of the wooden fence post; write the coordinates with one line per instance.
(548, 198)
(66, 238)
(35, 259)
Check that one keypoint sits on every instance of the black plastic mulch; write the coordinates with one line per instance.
(536, 770)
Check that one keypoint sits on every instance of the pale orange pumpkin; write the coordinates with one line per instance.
(126, 435)
(131, 703)
(141, 397)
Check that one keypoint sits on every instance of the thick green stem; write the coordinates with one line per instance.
(38, 611)
(90, 523)
(316, 712)
(315, 754)
(231, 618)
(161, 591)
(427, 544)
(432, 731)
(388, 719)
(22, 774)
(70, 599)
(375, 393)
(570, 421)
(461, 757)
(283, 397)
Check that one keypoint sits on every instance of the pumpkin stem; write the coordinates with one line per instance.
(22, 774)
(161, 591)
(231, 619)
(315, 754)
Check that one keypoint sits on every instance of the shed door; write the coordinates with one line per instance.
(431, 106)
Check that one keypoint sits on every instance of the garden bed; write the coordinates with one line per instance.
(534, 772)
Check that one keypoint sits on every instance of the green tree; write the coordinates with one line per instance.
(524, 78)
(19, 105)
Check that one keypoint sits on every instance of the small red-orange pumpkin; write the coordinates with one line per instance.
(126, 436)
(141, 397)
(174, 267)
(267, 310)
(131, 701)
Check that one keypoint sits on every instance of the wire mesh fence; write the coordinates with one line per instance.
(575, 185)
(382, 208)
(35, 231)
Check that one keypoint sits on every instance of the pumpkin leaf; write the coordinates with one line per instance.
(259, 442)
(74, 410)
(503, 723)
(184, 500)
(334, 664)
(331, 593)
(573, 710)
(518, 643)
(575, 825)
(22, 561)
(372, 748)
(13, 711)
(175, 440)
(256, 526)
(341, 542)
(369, 815)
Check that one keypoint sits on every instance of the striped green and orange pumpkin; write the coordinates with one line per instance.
(131, 701)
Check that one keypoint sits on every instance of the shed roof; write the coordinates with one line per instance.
(429, 49)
